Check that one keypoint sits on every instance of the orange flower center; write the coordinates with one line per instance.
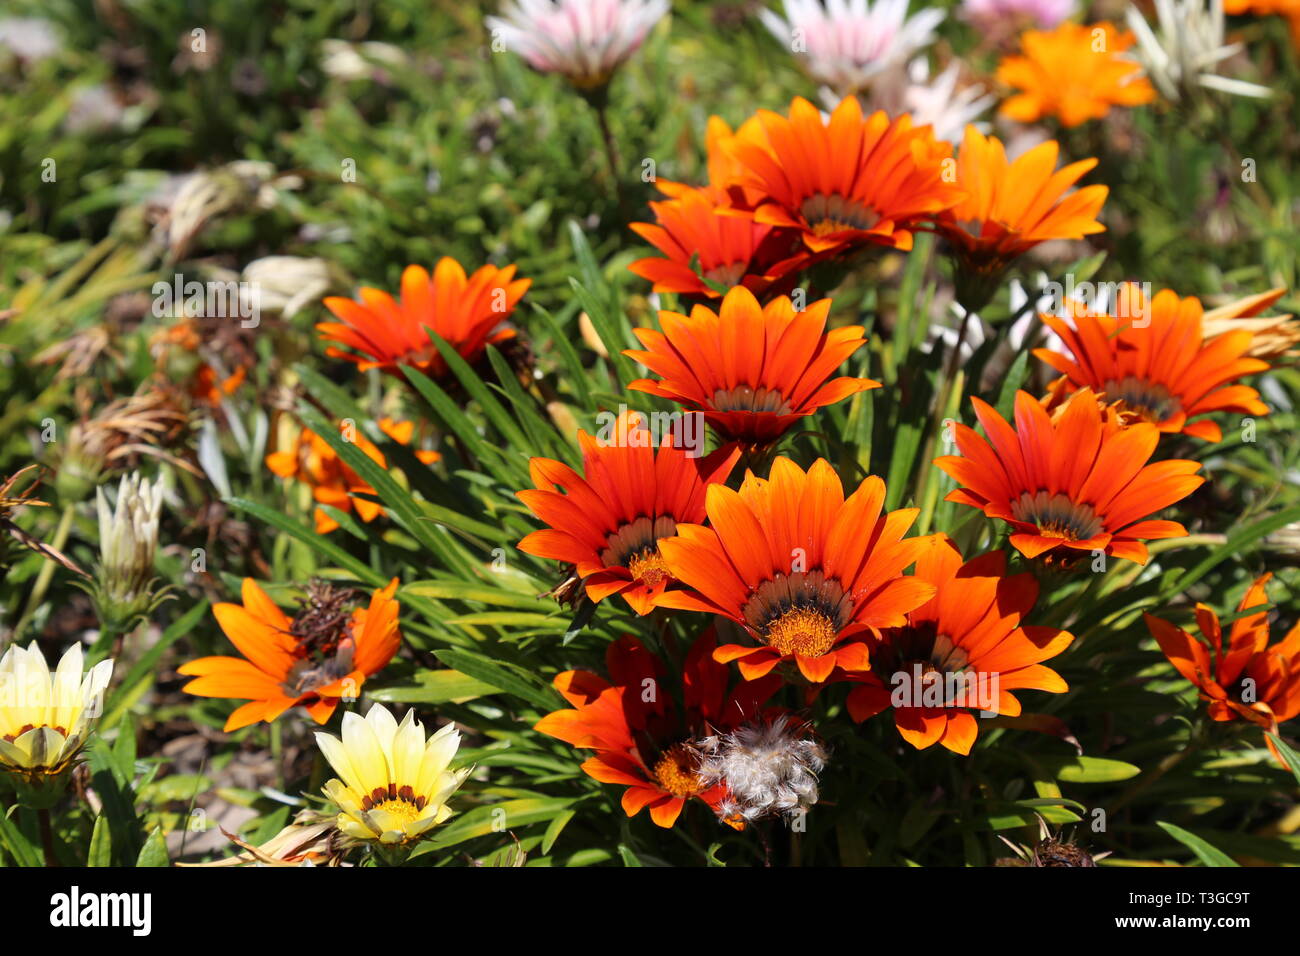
(1057, 516)
(800, 613)
(678, 771)
(1150, 401)
(802, 631)
(826, 215)
(746, 398)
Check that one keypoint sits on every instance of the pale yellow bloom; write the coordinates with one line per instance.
(46, 717)
(394, 782)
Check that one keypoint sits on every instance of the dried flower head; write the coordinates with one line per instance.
(769, 768)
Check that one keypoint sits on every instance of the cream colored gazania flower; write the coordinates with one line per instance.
(46, 718)
(395, 783)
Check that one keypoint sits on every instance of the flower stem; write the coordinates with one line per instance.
(47, 836)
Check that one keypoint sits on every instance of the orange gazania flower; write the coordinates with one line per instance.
(1263, 8)
(965, 649)
(318, 657)
(311, 460)
(1080, 483)
(648, 745)
(466, 312)
(845, 183)
(608, 521)
(805, 571)
(731, 250)
(752, 370)
(1010, 207)
(1074, 72)
(1154, 359)
(1249, 680)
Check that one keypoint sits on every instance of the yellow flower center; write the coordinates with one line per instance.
(649, 568)
(10, 738)
(401, 809)
(677, 771)
(802, 630)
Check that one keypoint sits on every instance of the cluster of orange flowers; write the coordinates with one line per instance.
(807, 580)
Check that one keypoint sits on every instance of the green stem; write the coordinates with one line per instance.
(46, 573)
(47, 836)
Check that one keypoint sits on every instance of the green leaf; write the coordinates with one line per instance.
(432, 687)
(101, 844)
(24, 851)
(506, 815)
(1288, 754)
(1207, 854)
(555, 828)
(505, 677)
(319, 543)
(1087, 769)
(154, 851)
(139, 676)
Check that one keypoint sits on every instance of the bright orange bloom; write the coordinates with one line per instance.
(1154, 359)
(608, 521)
(318, 657)
(466, 312)
(1249, 680)
(731, 251)
(805, 571)
(1074, 73)
(1263, 8)
(313, 461)
(752, 370)
(649, 745)
(1010, 207)
(965, 649)
(1079, 484)
(845, 183)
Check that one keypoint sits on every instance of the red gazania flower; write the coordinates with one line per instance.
(805, 571)
(466, 312)
(1248, 680)
(320, 656)
(965, 649)
(845, 183)
(1079, 484)
(642, 741)
(752, 370)
(1012, 206)
(608, 521)
(1153, 357)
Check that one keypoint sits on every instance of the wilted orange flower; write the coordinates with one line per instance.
(642, 741)
(322, 655)
(1079, 484)
(608, 521)
(1074, 72)
(805, 571)
(965, 649)
(1272, 336)
(311, 460)
(1249, 679)
(1010, 207)
(1153, 358)
(207, 387)
(752, 370)
(841, 184)
(466, 312)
